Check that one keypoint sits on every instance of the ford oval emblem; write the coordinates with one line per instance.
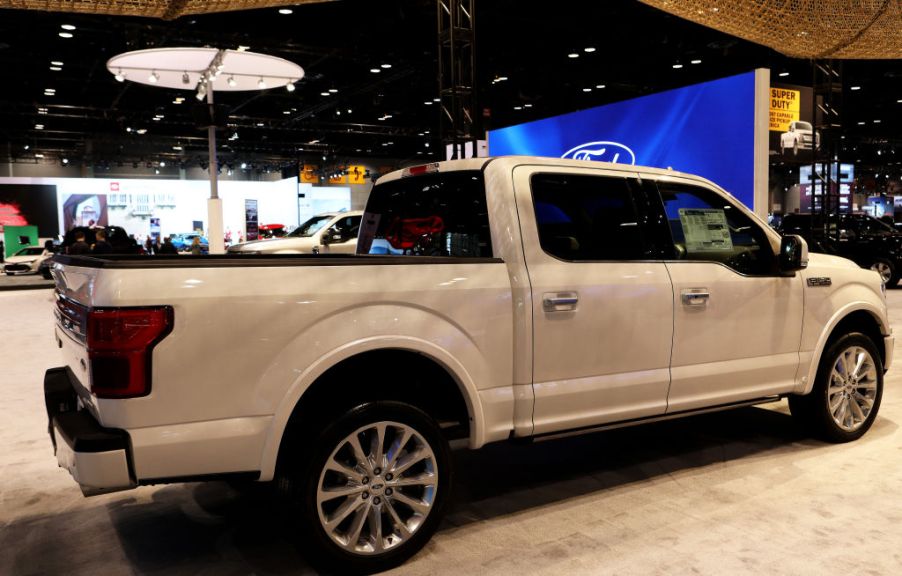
(602, 152)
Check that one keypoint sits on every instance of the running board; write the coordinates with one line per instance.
(650, 419)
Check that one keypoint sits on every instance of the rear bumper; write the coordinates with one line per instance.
(96, 457)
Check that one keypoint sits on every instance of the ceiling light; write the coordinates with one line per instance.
(128, 129)
(259, 124)
(861, 123)
(177, 148)
(782, 74)
(695, 61)
(286, 112)
(375, 70)
(436, 99)
(587, 89)
(677, 66)
(67, 27)
(27, 147)
(157, 118)
(38, 126)
(290, 87)
(55, 68)
(428, 102)
(65, 160)
(349, 110)
(589, 49)
(261, 84)
(243, 48)
(518, 107)
(324, 94)
(141, 130)
(156, 170)
(153, 77)
(385, 66)
(501, 78)
(286, 11)
(876, 121)
(600, 86)
(244, 165)
(573, 55)
(527, 105)
(333, 90)
(65, 35)
(855, 88)
(56, 63)
(177, 101)
(162, 164)
(38, 155)
(231, 81)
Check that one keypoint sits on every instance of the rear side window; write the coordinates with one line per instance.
(439, 214)
(581, 217)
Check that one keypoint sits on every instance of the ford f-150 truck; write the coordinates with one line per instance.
(490, 299)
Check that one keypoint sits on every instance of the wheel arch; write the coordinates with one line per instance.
(457, 393)
(854, 318)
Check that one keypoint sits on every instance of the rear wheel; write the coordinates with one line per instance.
(847, 393)
(372, 491)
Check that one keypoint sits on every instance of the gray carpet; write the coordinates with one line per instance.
(733, 493)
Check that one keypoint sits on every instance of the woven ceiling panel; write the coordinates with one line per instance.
(802, 28)
(166, 9)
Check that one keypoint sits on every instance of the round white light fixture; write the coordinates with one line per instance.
(289, 87)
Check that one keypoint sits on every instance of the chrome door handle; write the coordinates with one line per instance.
(695, 296)
(560, 301)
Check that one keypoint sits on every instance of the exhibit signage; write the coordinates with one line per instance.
(785, 108)
(250, 217)
(707, 129)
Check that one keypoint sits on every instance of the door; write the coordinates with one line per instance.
(343, 235)
(737, 322)
(602, 303)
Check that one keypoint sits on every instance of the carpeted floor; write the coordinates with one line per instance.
(733, 493)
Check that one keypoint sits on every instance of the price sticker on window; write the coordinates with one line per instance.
(705, 230)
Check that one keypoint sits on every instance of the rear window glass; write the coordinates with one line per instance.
(440, 214)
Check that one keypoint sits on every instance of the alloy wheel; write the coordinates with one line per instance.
(852, 388)
(377, 488)
(884, 270)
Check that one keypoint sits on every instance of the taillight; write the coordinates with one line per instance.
(120, 342)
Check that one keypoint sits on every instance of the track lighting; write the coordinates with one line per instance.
(153, 77)
(120, 77)
(290, 87)
(186, 79)
(201, 92)
(261, 84)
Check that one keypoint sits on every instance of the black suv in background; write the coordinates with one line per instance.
(863, 239)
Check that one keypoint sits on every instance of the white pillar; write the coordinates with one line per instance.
(214, 204)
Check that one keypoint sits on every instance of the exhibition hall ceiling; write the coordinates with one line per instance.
(371, 82)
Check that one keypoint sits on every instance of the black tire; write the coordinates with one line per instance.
(864, 388)
(383, 503)
(887, 271)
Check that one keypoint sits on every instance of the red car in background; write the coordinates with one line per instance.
(271, 231)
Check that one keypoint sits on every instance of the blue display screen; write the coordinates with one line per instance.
(705, 129)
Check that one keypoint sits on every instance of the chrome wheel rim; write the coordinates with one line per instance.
(883, 269)
(377, 488)
(852, 389)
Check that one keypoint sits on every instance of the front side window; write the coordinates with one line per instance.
(346, 228)
(438, 214)
(705, 226)
(583, 217)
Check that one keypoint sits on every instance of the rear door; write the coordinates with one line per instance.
(602, 301)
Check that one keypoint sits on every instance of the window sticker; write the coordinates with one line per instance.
(705, 230)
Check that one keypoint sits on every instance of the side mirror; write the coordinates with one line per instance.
(793, 254)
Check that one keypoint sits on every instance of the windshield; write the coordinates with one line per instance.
(30, 251)
(803, 126)
(310, 227)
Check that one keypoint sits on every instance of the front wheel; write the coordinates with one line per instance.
(372, 492)
(846, 396)
(887, 272)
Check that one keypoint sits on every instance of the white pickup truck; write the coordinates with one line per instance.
(513, 298)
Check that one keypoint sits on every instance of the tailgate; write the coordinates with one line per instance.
(74, 291)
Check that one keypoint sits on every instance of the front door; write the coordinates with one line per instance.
(737, 322)
(602, 303)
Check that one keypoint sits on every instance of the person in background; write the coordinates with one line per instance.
(168, 247)
(148, 246)
(195, 246)
(101, 246)
(79, 246)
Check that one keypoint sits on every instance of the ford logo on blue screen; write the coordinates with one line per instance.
(706, 129)
(602, 152)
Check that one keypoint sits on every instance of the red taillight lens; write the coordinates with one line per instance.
(120, 342)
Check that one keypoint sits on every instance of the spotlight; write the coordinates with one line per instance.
(244, 165)
(162, 164)
(290, 87)
(153, 77)
(201, 92)
(185, 78)
(261, 84)
(65, 161)
(120, 77)
(231, 81)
